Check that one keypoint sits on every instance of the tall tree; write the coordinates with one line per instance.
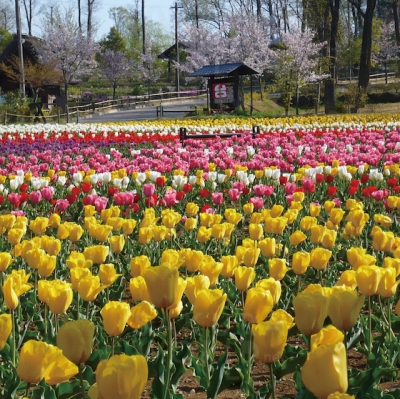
(149, 68)
(387, 49)
(296, 62)
(31, 9)
(114, 66)
(72, 53)
(367, 13)
(5, 38)
(7, 15)
(113, 41)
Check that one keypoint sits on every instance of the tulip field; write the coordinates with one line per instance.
(132, 261)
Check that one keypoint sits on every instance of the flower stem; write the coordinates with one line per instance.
(369, 325)
(249, 353)
(13, 349)
(169, 354)
(272, 377)
(206, 365)
(28, 386)
(81, 381)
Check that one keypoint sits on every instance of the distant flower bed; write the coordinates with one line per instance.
(137, 247)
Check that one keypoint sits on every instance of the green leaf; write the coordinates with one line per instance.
(179, 360)
(66, 390)
(217, 377)
(290, 365)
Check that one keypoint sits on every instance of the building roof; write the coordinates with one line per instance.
(170, 52)
(231, 69)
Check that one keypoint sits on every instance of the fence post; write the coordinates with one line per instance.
(182, 134)
(256, 129)
(93, 106)
(5, 117)
(162, 111)
(67, 110)
(58, 116)
(77, 116)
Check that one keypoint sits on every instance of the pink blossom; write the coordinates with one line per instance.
(14, 199)
(35, 197)
(47, 193)
(100, 203)
(218, 198)
(337, 202)
(234, 194)
(258, 202)
(62, 204)
(148, 189)
(290, 188)
(170, 198)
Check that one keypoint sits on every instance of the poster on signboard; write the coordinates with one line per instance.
(222, 92)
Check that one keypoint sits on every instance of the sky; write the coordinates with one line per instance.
(157, 10)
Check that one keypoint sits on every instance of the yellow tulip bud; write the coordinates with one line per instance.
(258, 305)
(81, 333)
(244, 276)
(122, 377)
(115, 314)
(208, 307)
(300, 262)
(5, 329)
(141, 314)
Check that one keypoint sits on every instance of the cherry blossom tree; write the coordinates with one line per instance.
(114, 66)
(72, 52)
(387, 48)
(295, 64)
(148, 65)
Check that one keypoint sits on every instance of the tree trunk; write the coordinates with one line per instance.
(366, 46)
(79, 15)
(114, 90)
(143, 31)
(259, 14)
(397, 30)
(329, 91)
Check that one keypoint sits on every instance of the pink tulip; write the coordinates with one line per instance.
(35, 197)
(218, 198)
(148, 189)
(234, 194)
(14, 199)
(258, 202)
(170, 198)
(62, 204)
(47, 193)
(100, 203)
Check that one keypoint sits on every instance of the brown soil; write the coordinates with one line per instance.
(189, 386)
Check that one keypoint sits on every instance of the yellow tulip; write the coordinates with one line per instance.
(14, 286)
(115, 315)
(54, 220)
(267, 247)
(329, 238)
(14, 235)
(311, 310)
(108, 274)
(51, 245)
(40, 360)
(191, 209)
(232, 216)
(194, 285)
(141, 314)
(336, 215)
(203, 234)
(138, 289)
(307, 222)
(271, 285)
(78, 273)
(100, 232)
(339, 395)
(96, 253)
(193, 260)
(258, 305)
(230, 263)
(39, 225)
(139, 264)
(315, 209)
(47, 265)
(5, 260)
(300, 262)
(348, 278)
(277, 268)
(89, 287)
(387, 283)
(208, 307)
(256, 231)
(275, 225)
(81, 333)
(317, 234)
(5, 329)
(344, 307)
(382, 240)
(58, 296)
(329, 205)
(212, 269)
(387, 262)
(250, 256)
(159, 233)
(190, 224)
(7, 221)
(397, 308)
(75, 232)
(332, 377)
(319, 258)
(357, 257)
(269, 340)
(162, 283)
(244, 276)
(34, 257)
(122, 377)
(248, 208)
(115, 222)
(128, 225)
(117, 243)
(368, 278)
(297, 237)
(145, 235)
